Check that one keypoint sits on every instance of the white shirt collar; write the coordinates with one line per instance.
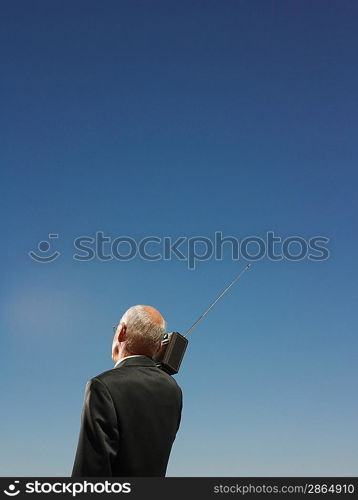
(126, 357)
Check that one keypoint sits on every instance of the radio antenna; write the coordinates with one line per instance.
(217, 299)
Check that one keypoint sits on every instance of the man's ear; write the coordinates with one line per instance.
(122, 332)
(158, 348)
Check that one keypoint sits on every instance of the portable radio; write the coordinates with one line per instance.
(173, 346)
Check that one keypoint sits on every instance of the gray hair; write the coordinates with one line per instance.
(142, 330)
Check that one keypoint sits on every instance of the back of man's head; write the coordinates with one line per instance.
(145, 328)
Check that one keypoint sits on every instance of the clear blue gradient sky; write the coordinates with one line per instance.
(182, 118)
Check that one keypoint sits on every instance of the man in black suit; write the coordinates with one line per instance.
(132, 412)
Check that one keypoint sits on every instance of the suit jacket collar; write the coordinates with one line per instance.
(136, 361)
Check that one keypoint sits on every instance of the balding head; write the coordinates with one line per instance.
(140, 331)
(152, 313)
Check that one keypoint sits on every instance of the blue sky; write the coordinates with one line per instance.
(181, 119)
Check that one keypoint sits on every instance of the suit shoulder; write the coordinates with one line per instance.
(104, 376)
(171, 380)
(178, 386)
(111, 377)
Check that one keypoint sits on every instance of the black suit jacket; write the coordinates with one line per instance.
(129, 421)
